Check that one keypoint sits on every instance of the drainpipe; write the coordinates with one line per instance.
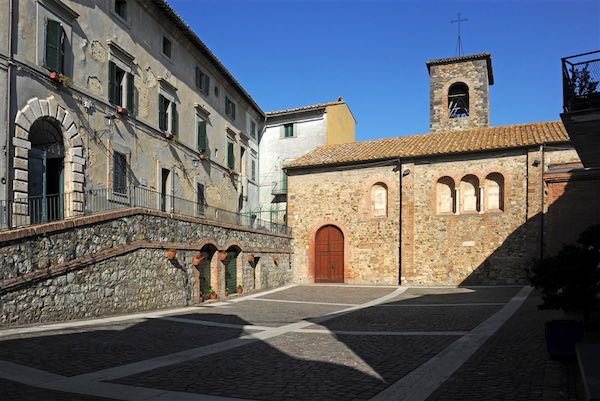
(542, 204)
(400, 222)
(10, 127)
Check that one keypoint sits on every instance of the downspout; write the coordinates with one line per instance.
(400, 222)
(10, 127)
(542, 212)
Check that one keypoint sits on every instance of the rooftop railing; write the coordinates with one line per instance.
(35, 210)
(581, 78)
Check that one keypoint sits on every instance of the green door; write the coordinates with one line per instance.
(204, 269)
(231, 272)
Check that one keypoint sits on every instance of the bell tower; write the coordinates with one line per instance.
(460, 92)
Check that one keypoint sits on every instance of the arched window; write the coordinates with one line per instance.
(458, 100)
(469, 188)
(379, 200)
(445, 195)
(494, 187)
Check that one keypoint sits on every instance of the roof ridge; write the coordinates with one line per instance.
(306, 107)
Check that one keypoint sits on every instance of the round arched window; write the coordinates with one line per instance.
(458, 100)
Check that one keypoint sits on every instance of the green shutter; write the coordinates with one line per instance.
(130, 95)
(202, 136)
(174, 118)
(111, 82)
(206, 84)
(162, 117)
(230, 156)
(54, 50)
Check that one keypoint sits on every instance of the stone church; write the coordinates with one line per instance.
(465, 203)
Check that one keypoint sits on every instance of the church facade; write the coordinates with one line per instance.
(463, 204)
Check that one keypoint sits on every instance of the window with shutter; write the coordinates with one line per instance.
(202, 142)
(111, 82)
(229, 108)
(130, 93)
(163, 107)
(200, 198)
(230, 156)
(55, 52)
(174, 118)
(119, 173)
(288, 130)
(253, 170)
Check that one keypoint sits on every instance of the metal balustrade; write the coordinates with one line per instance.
(581, 81)
(29, 211)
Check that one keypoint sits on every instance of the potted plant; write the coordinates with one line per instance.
(275, 259)
(222, 256)
(201, 298)
(250, 258)
(198, 258)
(60, 78)
(211, 294)
(121, 110)
(239, 289)
(171, 254)
(569, 280)
(226, 292)
(168, 135)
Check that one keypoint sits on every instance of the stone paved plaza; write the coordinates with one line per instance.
(316, 342)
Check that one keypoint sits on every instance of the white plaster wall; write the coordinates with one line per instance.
(276, 150)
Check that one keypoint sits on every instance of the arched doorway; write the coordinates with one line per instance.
(231, 269)
(46, 171)
(203, 270)
(329, 255)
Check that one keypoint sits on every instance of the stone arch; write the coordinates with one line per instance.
(458, 100)
(233, 272)
(206, 268)
(74, 161)
(379, 200)
(470, 194)
(494, 192)
(445, 195)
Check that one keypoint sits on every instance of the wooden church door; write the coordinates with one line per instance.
(329, 255)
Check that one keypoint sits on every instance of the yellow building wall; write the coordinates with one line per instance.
(341, 126)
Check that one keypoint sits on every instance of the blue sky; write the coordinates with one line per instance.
(289, 53)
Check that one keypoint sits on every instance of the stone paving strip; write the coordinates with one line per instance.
(423, 381)
(128, 317)
(91, 383)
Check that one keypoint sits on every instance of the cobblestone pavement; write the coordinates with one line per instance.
(300, 343)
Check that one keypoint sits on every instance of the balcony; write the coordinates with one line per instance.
(279, 188)
(581, 104)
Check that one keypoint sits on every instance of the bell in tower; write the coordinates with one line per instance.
(459, 92)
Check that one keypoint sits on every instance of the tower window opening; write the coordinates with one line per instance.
(458, 100)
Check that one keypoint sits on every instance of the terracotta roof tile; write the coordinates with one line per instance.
(438, 143)
(304, 108)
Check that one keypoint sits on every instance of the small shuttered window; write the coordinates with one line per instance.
(55, 46)
(119, 173)
(230, 156)
(253, 170)
(288, 130)
(229, 108)
(174, 119)
(202, 81)
(120, 87)
(202, 140)
(163, 111)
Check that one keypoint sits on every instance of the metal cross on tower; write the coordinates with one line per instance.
(459, 48)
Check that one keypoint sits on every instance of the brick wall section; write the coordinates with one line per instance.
(474, 74)
(118, 264)
(342, 198)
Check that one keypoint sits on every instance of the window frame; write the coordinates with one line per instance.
(230, 108)
(201, 121)
(117, 13)
(171, 117)
(119, 159)
(167, 41)
(230, 155)
(450, 183)
(291, 126)
(375, 187)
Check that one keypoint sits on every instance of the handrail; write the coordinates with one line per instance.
(23, 212)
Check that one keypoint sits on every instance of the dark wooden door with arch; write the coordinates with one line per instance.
(329, 255)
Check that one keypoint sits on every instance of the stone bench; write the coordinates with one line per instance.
(588, 357)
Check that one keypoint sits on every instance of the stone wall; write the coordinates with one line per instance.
(343, 199)
(486, 246)
(116, 263)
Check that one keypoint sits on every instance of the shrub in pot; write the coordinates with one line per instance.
(569, 280)
(239, 289)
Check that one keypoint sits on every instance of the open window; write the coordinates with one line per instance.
(458, 100)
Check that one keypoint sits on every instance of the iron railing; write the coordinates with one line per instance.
(581, 81)
(279, 188)
(42, 209)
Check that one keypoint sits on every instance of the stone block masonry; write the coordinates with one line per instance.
(116, 263)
